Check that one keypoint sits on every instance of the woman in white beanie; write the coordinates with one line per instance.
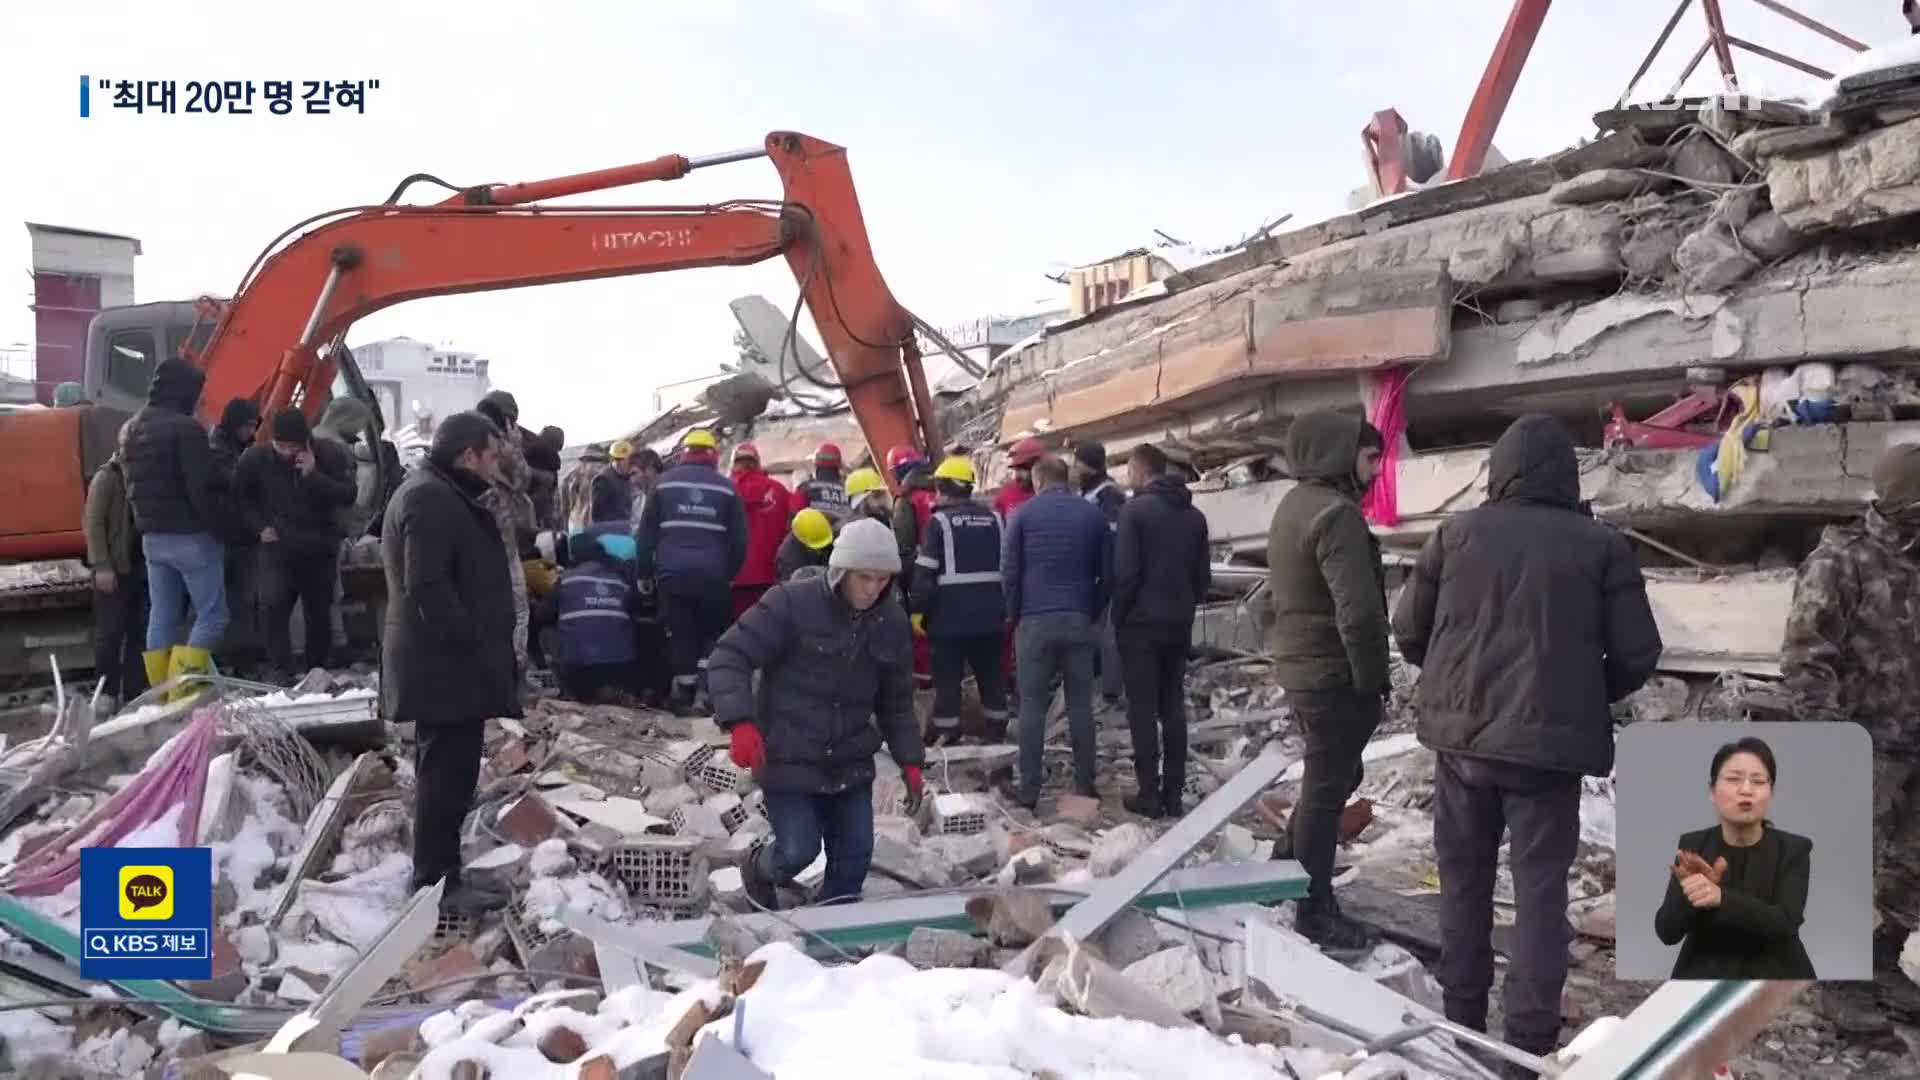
(834, 653)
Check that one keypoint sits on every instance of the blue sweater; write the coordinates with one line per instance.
(1058, 556)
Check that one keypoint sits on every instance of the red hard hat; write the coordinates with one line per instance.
(827, 452)
(901, 455)
(1026, 452)
(746, 450)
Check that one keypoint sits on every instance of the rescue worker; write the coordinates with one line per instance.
(809, 543)
(693, 541)
(592, 612)
(825, 492)
(1329, 643)
(1528, 619)
(1021, 457)
(1852, 653)
(183, 508)
(915, 505)
(867, 496)
(576, 488)
(612, 487)
(958, 602)
(290, 493)
(446, 662)
(1162, 569)
(765, 502)
(512, 509)
(1088, 474)
(119, 583)
(646, 473)
(830, 651)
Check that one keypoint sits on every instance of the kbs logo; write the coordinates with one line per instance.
(146, 892)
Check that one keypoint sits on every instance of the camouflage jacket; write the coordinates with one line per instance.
(511, 505)
(576, 493)
(1852, 646)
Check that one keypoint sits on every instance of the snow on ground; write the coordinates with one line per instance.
(586, 893)
(163, 831)
(30, 1036)
(118, 1053)
(880, 1017)
(358, 909)
(1895, 53)
(1597, 811)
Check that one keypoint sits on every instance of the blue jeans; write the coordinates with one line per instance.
(802, 820)
(183, 567)
(1055, 645)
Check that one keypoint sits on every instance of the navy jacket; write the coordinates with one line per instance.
(693, 525)
(1058, 557)
(834, 685)
(957, 583)
(593, 610)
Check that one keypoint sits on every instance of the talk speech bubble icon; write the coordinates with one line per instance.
(146, 892)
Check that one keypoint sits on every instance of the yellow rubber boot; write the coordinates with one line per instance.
(156, 661)
(187, 660)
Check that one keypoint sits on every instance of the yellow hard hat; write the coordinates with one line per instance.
(957, 469)
(813, 529)
(861, 481)
(699, 439)
(620, 451)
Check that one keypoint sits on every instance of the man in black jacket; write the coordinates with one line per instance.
(1161, 572)
(447, 661)
(290, 496)
(239, 423)
(182, 507)
(835, 663)
(1088, 474)
(1527, 619)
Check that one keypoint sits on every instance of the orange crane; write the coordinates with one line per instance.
(280, 339)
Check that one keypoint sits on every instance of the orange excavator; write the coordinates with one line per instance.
(280, 340)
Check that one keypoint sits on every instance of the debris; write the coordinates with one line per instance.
(1602, 185)
(930, 948)
(1097, 990)
(527, 821)
(1174, 976)
(551, 858)
(1011, 917)
(1078, 809)
(1117, 847)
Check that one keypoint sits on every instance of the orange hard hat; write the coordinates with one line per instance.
(903, 455)
(1026, 452)
(828, 452)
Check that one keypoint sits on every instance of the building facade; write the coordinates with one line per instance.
(416, 384)
(76, 273)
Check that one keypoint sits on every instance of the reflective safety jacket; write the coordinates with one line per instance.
(957, 572)
(825, 493)
(693, 524)
(592, 611)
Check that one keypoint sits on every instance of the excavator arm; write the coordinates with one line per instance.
(302, 294)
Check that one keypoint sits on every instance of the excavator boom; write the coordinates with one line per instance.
(305, 294)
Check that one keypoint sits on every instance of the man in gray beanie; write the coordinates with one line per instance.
(834, 653)
(1852, 652)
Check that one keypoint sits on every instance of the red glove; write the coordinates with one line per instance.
(916, 787)
(749, 750)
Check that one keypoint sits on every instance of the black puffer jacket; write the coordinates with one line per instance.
(447, 654)
(834, 683)
(1161, 566)
(225, 440)
(172, 478)
(303, 510)
(1527, 616)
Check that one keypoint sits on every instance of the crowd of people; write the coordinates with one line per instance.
(801, 620)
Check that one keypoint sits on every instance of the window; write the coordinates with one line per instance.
(177, 336)
(130, 361)
(1120, 289)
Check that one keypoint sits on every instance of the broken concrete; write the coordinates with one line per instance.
(1872, 177)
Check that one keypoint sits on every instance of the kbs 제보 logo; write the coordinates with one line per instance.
(146, 892)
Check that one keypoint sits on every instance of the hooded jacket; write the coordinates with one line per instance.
(225, 439)
(348, 423)
(765, 502)
(1527, 617)
(1161, 565)
(1323, 566)
(172, 479)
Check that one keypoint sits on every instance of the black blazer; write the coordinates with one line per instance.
(1755, 932)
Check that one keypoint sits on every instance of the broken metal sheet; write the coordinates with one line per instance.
(675, 945)
(1293, 972)
(638, 945)
(322, 832)
(320, 1024)
(1684, 1029)
(1112, 896)
(618, 968)
(715, 1059)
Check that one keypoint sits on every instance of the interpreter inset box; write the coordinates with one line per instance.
(1744, 851)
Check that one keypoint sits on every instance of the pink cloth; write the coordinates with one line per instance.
(1382, 503)
(164, 784)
